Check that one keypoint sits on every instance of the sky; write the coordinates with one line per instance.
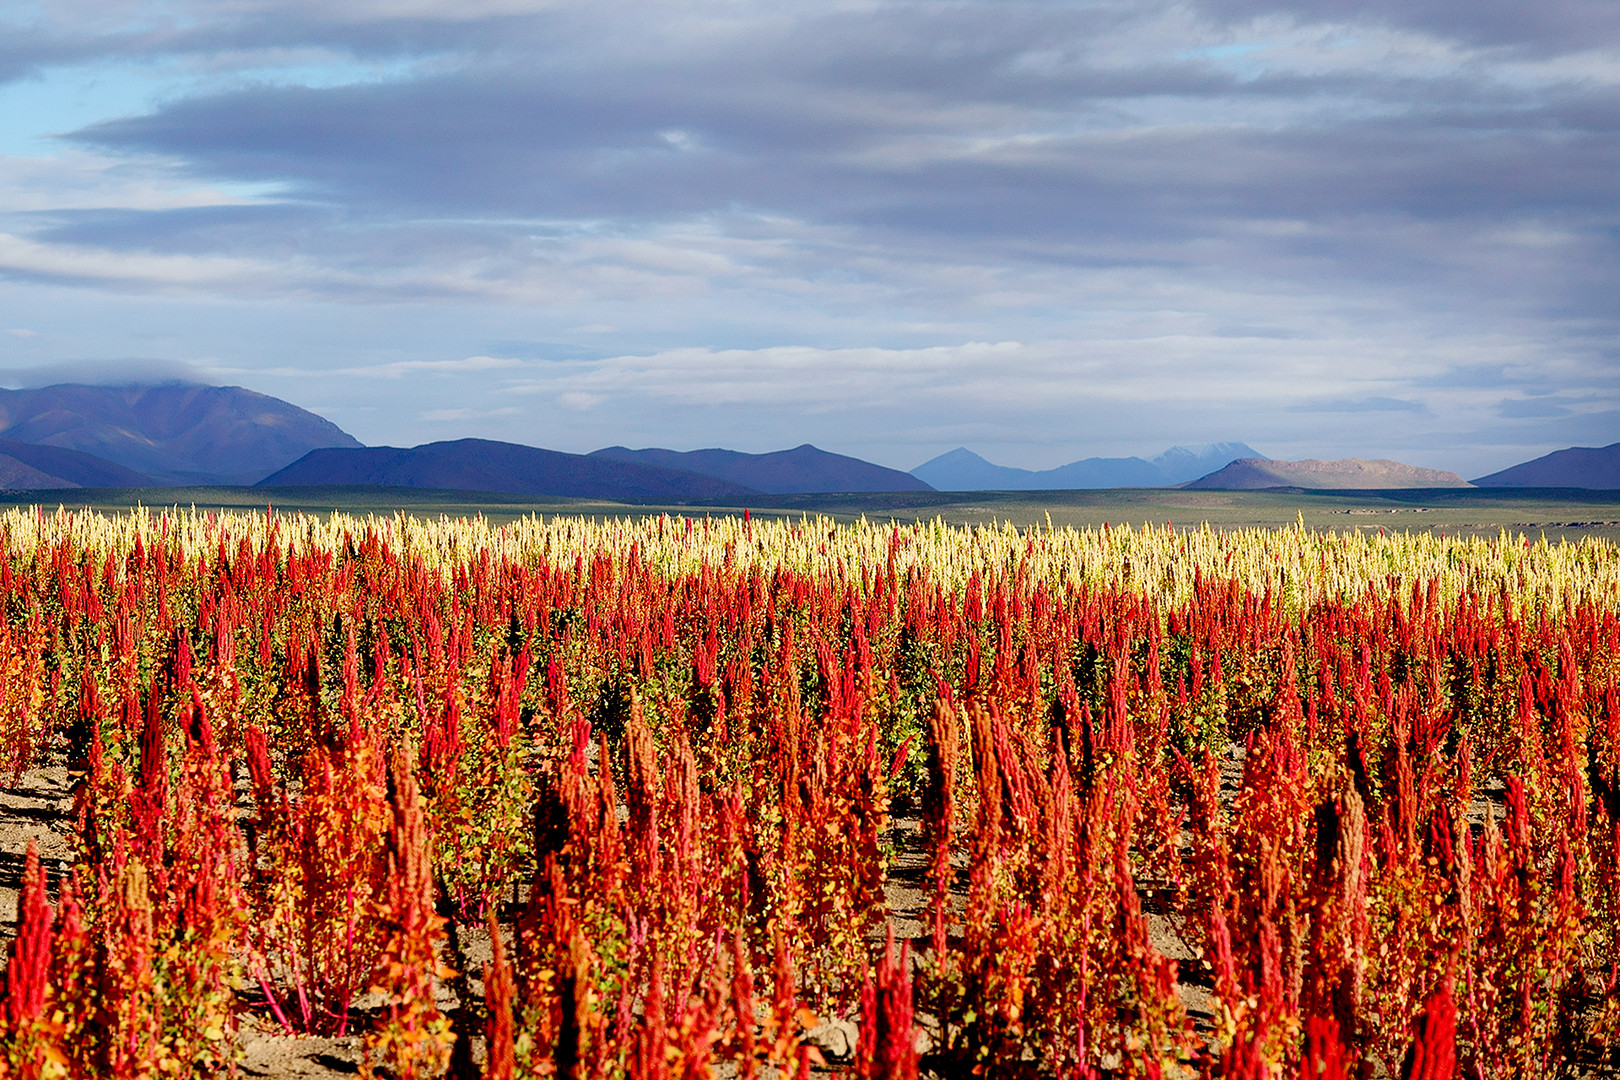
(1039, 229)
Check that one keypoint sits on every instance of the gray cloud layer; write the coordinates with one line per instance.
(1323, 228)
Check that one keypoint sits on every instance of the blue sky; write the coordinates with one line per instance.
(1042, 230)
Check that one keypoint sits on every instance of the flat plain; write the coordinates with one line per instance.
(1556, 513)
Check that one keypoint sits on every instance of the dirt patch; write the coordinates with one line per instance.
(38, 807)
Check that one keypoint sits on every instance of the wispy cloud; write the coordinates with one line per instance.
(446, 416)
(391, 370)
(113, 372)
(401, 368)
(79, 181)
(23, 257)
(1365, 405)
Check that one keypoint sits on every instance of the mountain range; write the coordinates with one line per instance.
(171, 433)
(1577, 467)
(486, 465)
(800, 471)
(963, 470)
(137, 435)
(1256, 474)
(615, 472)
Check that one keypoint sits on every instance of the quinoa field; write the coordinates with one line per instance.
(680, 798)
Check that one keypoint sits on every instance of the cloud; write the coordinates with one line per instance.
(879, 146)
(120, 372)
(400, 368)
(1537, 29)
(460, 415)
(392, 371)
(80, 181)
(1522, 410)
(21, 257)
(1364, 405)
(1146, 221)
(579, 401)
(1559, 406)
(1007, 377)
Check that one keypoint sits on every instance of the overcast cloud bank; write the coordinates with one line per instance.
(1043, 230)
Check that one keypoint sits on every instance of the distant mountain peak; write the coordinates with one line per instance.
(805, 469)
(963, 470)
(171, 431)
(1205, 450)
(1595, 467)
(961, 453)
(1183, 463)
(1255, 474)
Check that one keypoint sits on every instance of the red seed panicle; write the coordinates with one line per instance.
(29, 966)
(775, 797)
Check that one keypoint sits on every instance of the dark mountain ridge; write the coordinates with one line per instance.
(174, 433)
(487, 465)
(803, 470)
(1593, 467)
(31, 466)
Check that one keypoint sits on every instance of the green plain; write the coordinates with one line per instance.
(1556, 513)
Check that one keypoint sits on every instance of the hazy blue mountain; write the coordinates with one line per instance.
(802, 470)
(173, 432)
(1578, 467)
(32, 465)
(485, 465)
(963, 470)
(1183, 463)
(1100, 472)
(1348, 474)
